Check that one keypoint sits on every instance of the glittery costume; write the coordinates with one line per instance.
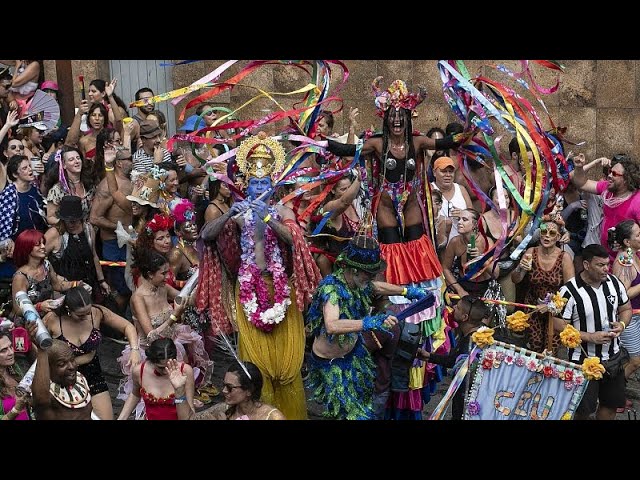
(92, 370)
(188, 343)
(278, 349)
(343, 385)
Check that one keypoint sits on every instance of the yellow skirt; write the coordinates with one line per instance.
(278, 354)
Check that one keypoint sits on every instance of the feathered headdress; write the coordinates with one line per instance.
(182, 211)
(397, 96)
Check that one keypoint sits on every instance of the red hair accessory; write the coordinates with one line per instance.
(159, 222)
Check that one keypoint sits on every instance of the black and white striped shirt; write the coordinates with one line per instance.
(592, 310)
(143, 162)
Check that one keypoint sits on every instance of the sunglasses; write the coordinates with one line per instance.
(552, 232)
(615, 174)
(16, 147)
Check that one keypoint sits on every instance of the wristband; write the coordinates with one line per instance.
(134, 348)
(267, 218)
(624, 325)
(173, 318)
(181, 399)
(404, 292)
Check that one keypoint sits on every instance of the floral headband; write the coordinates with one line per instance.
(397, 96)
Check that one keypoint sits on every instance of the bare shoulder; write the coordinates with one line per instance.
(286, 213)
(269, 412)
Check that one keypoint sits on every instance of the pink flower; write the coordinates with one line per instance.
(500, 356)
(520, 361)
(532, 366)
(490, 355)
(508, 359)
(568, 385)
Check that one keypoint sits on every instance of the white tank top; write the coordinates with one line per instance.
(457, 201)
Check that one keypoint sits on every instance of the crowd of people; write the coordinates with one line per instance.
(106, 229)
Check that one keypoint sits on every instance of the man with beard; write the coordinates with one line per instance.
(144, 110)
(59, 391)
(105, 214)
(619, 192)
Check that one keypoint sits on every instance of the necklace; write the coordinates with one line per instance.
(399, 147)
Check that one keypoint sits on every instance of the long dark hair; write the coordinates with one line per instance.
(13, 371)
(253, 384)
(408, 132)
(101, 85)
(161, 349)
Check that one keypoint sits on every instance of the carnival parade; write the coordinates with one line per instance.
(248, 259)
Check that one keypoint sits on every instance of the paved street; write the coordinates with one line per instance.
(110, 350)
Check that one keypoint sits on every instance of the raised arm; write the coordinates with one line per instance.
(580, 179)
(212, 229)
(73, 137)
(340, 205)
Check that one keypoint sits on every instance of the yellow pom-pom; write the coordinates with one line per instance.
(483, 337)
(592, 368)
(570, 337)
(518, 321)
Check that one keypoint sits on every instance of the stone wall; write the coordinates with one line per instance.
(598, 100)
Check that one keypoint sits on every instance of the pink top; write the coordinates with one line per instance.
(8, 403)
(627, 210)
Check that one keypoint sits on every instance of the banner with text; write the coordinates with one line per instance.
(512, 383)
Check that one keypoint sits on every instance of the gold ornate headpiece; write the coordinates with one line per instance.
(260, 156)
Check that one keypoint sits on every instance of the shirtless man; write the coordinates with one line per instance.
(55, 377)
(105, 215)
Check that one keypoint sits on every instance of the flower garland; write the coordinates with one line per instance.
(254, 293)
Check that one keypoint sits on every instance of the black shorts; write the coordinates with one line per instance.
(610, 392)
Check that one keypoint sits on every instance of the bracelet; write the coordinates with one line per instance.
(108, 169)
(134, 348)
(267, 218)
(624, 325)
(100, 280)
(404, 292)
(181, 399)
(173, 318)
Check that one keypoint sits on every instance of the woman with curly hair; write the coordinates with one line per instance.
(156, 236)
(548, 268)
